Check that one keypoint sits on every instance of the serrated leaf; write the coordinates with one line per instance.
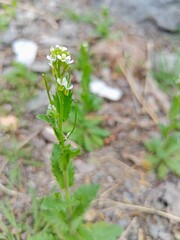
(55, 158)
(97, 141)
(105, 231)
(162, 171)
(67, 106)
(100, 132)
(43, 236)
(88, 144)
(175, 108)
(43, 117)
(52, 202)
(84, 195)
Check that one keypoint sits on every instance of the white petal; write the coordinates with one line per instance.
(59, 81)
(69, 88)
(59, 57)
(48, 57)
(71, 61)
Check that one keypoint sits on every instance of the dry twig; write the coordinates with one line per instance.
(9, 191)
(133, 207)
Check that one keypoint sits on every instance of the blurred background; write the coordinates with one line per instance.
(134, 50)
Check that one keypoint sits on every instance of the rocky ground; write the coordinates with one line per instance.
(120, 166)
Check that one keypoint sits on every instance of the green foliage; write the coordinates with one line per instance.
(7, 13)
(167, 74)
(88, 133)
(64, 211)
(101, 21)
(105, 231)
(61, 161)
(16, 158)
(165, 150)
(89, 101)
(19, 86)
(83, 197)
(30, 222)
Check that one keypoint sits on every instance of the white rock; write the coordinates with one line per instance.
(49, 135)
(25, 51)
(103, 90)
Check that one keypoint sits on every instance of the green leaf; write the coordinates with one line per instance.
(98, 141)
(44, 118)
(162, 171)
(55, 158)
(84, 195)
(105, 231)
(100, 132)
(52, 202)
(42, 236)
(67, 106)
(88, 144)
(175, 108)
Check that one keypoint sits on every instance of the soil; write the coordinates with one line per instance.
(120, 167)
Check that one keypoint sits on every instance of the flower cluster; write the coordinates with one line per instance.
(59, 53)
(59, 60)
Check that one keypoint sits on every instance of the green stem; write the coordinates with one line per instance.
(61, 140)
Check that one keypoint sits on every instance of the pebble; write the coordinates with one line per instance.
(39, 103)
(49, 135)
(10, 36)
(25, 51)
(40, 67)
(165, 236)
(153, 229)
(103, 90)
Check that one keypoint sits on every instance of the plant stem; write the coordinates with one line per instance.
(61, 140)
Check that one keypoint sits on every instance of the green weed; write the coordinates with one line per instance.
(64, 211)
(166, 75)
(7, 13)
(18, 86)
(88, 133)
(165, 150)
(100, 21)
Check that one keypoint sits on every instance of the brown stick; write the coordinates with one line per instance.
(142, 209)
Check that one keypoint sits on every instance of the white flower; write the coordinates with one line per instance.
(65, 58)
(64, 83)
(51, 49)
(61, 48)
(51, 107)
(51, 60)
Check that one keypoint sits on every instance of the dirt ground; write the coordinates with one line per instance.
(133, 193)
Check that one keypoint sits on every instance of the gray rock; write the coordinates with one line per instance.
(38, 104)
(153, 229)
(166, 60)
(68, 29)
(10, 35)
(40, 67)
(165, 236)
(164, 14)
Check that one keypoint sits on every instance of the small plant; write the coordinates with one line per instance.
(16, 158)
(7, 12)
(30, 222)
(165, 150)
(101, 22)
(168, 72)
(88, 133)
(19, 85)
(64, 210)
(89, 101)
